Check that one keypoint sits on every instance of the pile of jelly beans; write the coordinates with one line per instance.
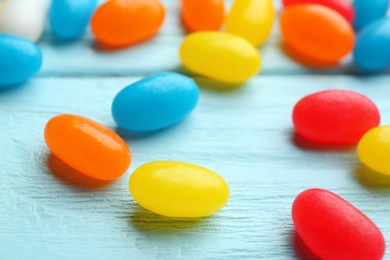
(322, 31)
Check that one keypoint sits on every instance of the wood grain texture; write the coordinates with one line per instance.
(245, 135)
(49, 211)
(86, 57)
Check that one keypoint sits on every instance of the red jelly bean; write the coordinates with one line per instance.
(335, 116)
(334, 229)
(343, 7)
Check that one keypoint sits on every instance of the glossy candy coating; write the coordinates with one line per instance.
(316, 32)
(200, 15)
(374, 149)
(371, 51)
(155, 102)
(24, 18)
(334, 229)
(343, 7)
(251, 19)
(87, 146)
(20, 59)
(335, 116)
(221, 56)
(69, 18)
(178, 189)
(120, 23)
(368, 11)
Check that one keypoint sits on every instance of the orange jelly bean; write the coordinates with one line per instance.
(119, 23)
(317, 32)
(201, 15)
(87, 146)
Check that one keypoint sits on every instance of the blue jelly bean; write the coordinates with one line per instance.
(19, 60)
(69, 18)
(372, 50)
(367, 11)
(155, 102)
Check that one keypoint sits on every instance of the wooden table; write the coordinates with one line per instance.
(49, 211)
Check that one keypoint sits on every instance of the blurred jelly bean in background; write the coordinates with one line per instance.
(343, 7)
(121, 23)
(335, 116)
(374, 149)
(220, 56)
(24, 18)
(178, 189)
(372, 50)
(198, 15)
(316, 32)
(251, 19)
(333, 228)
(19, 60)
(367, 11)
(155, 102)
(87, 146)
(69, 18)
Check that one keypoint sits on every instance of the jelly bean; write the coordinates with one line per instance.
(334, 229)
(368, 11)
(178, 189)
(316, 32)
(87, 146)
(374, 149)
(120, 23)
(155, 102)
(24, 18)
(69, 18)
(335, 116)
(371, 51)
(200, 15)
(343, 7)
(251, 19)
(220, 56)
(20, 60)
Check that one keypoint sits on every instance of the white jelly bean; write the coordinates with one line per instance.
(24, 18)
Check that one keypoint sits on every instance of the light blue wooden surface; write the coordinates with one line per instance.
(48, 211)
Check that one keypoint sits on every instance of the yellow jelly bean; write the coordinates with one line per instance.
(220, 56)
(177, 189)
(374, 149)
(251, 19)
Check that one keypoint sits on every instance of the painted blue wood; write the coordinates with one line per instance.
(86, 57)
(49, 211)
